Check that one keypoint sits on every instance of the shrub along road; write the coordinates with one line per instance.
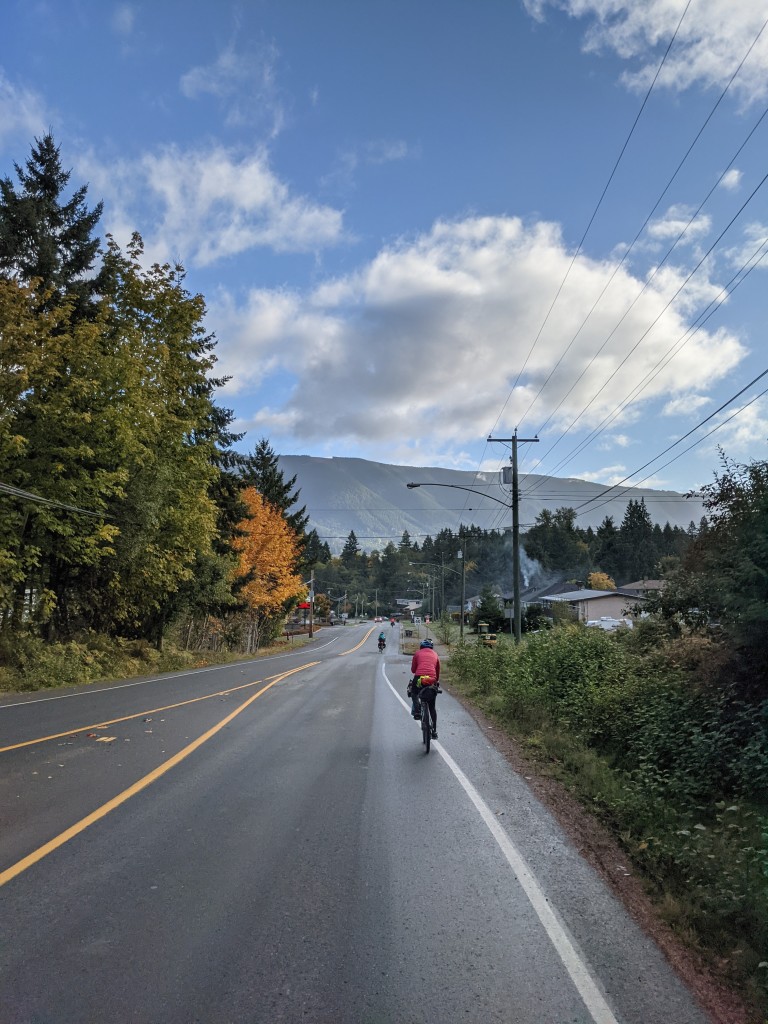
(268, 842)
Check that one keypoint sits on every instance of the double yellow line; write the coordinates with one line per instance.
(101, 812)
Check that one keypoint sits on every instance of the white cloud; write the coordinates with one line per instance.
(616, 441)
(740, 434)
(712, 40)
(22, 112)
(731, 179)
(609, 475)
(753, 248)
(434, 330)
(680, 220)
(123, 19)
(208, 205)
(244, 83)
(685, 405)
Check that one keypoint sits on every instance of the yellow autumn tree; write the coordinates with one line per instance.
(600, 581)
(267, 555)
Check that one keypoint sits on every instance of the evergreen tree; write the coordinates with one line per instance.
(351, 551)
(316, 551)
(638, 551)
(262, 471)
(606, 548)
(44, 237)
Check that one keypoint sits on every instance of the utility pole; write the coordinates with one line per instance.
(463, 556)
(515, 525)
(311, 600)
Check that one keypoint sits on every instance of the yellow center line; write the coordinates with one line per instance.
(101, 812)
(128, 718)
(343, 654)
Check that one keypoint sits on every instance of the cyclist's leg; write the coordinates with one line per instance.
(415, 708)
(433, 708)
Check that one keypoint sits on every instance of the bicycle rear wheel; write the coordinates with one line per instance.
(426, 728)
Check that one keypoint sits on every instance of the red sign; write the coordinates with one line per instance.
(303, 604)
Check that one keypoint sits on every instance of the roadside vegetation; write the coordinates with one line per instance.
(662, 730)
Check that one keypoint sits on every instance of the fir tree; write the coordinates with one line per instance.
(44, 237)
(262, 471)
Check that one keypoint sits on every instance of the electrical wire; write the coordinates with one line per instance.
(700, 320)
(653, 323)
(596, 209)
(591, 219)
(17, 492)
(693, 430)
(642, 228)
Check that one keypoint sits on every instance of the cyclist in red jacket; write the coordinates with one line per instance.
(425, 662)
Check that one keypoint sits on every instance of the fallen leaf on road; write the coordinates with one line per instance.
(106, 739)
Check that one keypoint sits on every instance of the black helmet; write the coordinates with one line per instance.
(426, 643)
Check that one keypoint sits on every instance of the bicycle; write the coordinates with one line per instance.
(382, 645)
(426, 723)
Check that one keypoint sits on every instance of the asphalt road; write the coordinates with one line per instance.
(277, 847)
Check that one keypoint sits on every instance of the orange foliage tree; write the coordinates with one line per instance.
(267, 556)
(600, 581)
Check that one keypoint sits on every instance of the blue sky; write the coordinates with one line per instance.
(384, 204)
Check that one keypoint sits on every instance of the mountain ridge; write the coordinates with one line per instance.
(344, 494)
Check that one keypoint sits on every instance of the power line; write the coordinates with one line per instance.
(595, 211)
(739, 277)
(685, 436)
(653, 323)
(17, 492)
(642, 228)
(591, 220)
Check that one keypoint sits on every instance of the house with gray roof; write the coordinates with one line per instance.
(588, 605)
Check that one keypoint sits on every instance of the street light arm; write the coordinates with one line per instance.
(458, 487)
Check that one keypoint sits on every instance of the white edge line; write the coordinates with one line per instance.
(585, 984)
(162, 678)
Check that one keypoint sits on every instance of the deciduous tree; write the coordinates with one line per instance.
(267, 552)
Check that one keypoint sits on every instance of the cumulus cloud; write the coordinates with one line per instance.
(753, 248)
(731, 179)
(740, 429)
(244, 83)
(616, 441)
(679, 220)
(22, 112)
(685, 405)
(463, 303)
(713, 38)
(608, 475)
(208, 205)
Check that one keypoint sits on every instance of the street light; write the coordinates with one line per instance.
(515, 540)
